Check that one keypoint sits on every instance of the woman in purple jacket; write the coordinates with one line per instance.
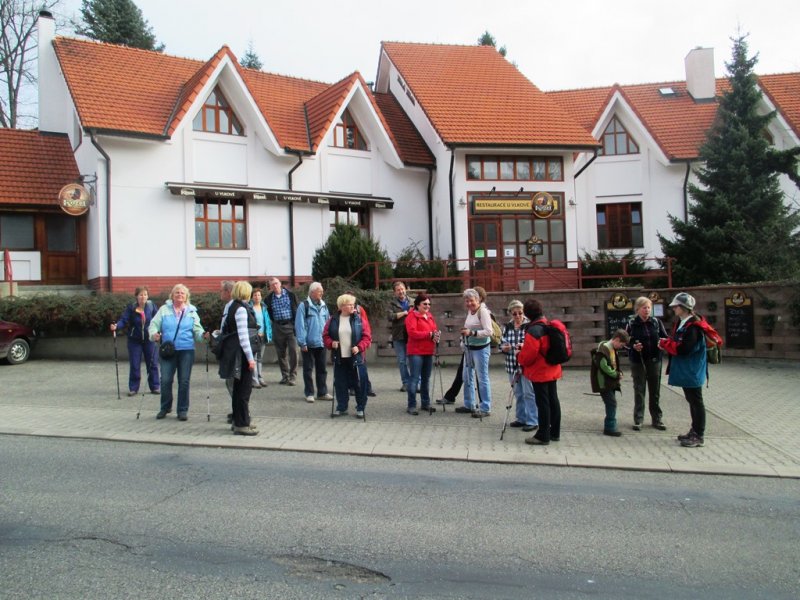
(136, 318)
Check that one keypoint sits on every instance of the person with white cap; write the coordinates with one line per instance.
(687, 368)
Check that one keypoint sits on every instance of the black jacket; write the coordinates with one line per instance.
(647, 332)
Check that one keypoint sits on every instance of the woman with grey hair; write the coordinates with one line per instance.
(510, 344)
(475, 340)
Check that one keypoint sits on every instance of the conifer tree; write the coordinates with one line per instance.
(116, 22)
(739, 227)
(250, 60)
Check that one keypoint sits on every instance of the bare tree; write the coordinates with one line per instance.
(18, 55)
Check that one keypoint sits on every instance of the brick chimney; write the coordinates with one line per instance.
(700, 82)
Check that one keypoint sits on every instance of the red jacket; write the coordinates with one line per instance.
(419, 331)
(531, 357)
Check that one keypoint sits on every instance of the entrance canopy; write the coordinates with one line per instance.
(270, 195)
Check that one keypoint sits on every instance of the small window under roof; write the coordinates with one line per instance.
(667, 91)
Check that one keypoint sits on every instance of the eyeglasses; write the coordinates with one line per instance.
(425, 303)
(516, 313)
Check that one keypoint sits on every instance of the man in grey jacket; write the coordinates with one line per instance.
(309, 323)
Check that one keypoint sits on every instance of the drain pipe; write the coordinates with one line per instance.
(108, 207)
(686, 191)
(292, 271)
(430, 213)
(452, 207)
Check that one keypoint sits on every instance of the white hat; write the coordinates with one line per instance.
(683, 299)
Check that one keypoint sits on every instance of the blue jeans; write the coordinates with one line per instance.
(402, 365)
(349, 373)
(137, 348)
(421, 367)
(527, 412)
(610, 400)
(314, 362)
(182, 363)
(476, 363)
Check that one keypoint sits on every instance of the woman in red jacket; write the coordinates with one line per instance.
(422, 339)
(543, 375)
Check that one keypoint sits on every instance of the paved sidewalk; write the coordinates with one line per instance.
(753, 419)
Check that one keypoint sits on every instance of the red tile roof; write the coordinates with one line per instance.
(413, 150)
(784, 92)
(677, 123)
(126, 90)
(35, 166)
(472, 95)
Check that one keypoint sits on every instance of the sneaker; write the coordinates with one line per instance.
(403, 388)
(284, 381)
(155, 392)
(428, 409)
(291, 382)
(480, 414)
(516, 424)
(340, 413)
(309, 399)
(530, 427)
(660, 426)
(412, 411)
(612, 432)
(161, 414)
(371, 394)
(183, 417)
(262, 383)
(464, 410)
(686, 436)
(132, 393)
(637, 427)
(325, 397)
(245, 431)
(445, 400)
(359, 414)
(534, 441)
(693, 441)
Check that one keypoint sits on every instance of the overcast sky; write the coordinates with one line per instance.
(556, 44)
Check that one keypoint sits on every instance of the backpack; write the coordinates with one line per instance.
(593, 371)
(560, 349)
(714, 341)
(497, 332)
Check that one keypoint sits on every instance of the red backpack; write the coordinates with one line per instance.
(560, 347)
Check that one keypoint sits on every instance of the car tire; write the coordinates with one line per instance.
(18, 352)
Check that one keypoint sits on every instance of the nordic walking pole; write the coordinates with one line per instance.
(510, 403)
(208, 389)
(333, 396)
(139, 411)
(116, 361)
(360, 390)
(438, 370)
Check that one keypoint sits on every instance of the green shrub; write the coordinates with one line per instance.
(346, 251)
(413, 268)
(606, 263)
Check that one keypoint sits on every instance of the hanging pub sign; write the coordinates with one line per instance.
(535, 245)
(74, 199)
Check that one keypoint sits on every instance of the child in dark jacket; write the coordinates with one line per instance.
(609, 376)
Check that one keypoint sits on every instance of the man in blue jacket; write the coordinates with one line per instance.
(309, 323)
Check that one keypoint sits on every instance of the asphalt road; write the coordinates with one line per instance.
(88, 519)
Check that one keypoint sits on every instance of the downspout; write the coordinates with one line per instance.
(430, 213)
(108, 208)
(452, 207)
(291, 218)
(686, 191)
(586, 166)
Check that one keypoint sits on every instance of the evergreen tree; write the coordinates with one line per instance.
(116, 22)
(345, 252)
(250, 60)
(487, 39)
(739, 228)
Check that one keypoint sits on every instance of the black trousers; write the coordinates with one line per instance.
(549, 410)
(697, 410)
(458, 381)
(240, 399)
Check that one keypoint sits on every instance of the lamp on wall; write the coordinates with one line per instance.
(461, 202)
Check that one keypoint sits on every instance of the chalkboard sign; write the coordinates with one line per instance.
(616, 319)
(739, 328)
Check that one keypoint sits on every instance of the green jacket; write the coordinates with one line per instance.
(605, 368)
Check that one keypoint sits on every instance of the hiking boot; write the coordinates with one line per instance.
(183, 417)
(693, 441)
(516, 424)
(340, 413)
(371, 394)
(359, 414)
(464, 410)
(480, 414)
(428, 408)
(637, 427)
(534, 441)
(161, 414)
(659, 425)
(530, 427)
(284, 381)
(309, 399)
(612, 432)
(291, 382)
(413, 411)
(686, 436)
(247, 430)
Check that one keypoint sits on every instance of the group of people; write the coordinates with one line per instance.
(310, 327)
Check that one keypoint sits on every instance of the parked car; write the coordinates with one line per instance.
(16, 342)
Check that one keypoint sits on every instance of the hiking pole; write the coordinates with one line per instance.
(438, 370)
(333, 396)
(116, 361)
(510, 402)
(208, 389)
(139, 411)
(360, 392)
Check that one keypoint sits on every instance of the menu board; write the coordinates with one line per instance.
(616, 319)
(739, 322)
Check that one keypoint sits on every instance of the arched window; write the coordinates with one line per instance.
(347, 135)
(616, 140)
(217, 116)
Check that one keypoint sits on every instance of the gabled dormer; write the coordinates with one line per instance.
(217, 116)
